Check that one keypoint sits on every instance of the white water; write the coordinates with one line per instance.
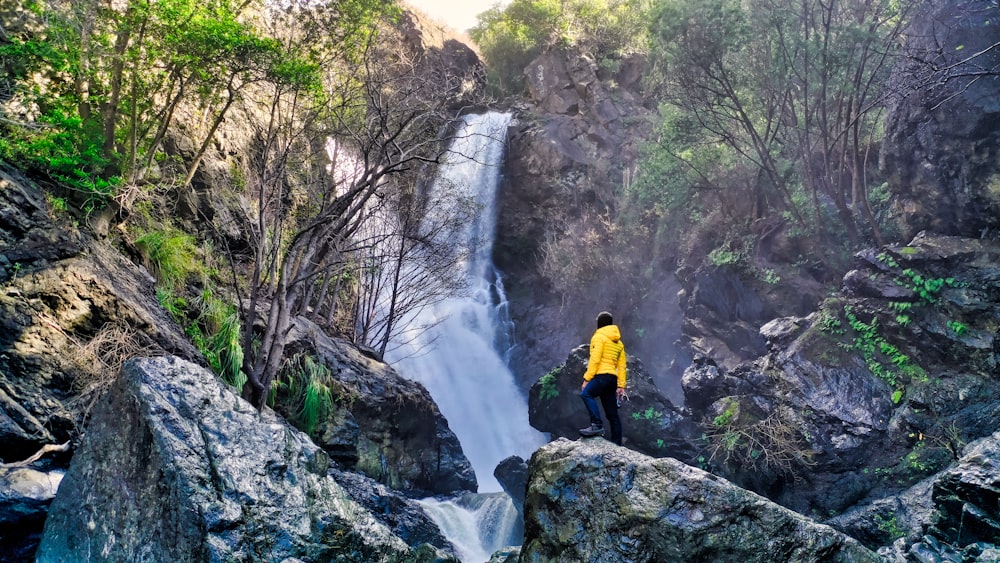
(457, 359)
(477, 525)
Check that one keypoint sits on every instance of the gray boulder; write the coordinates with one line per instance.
(592, 501)
(176, 467)
(512, 474)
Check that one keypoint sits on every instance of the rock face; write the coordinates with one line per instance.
(71, 310)
(572, 144)
(650, 422)
(384, 425)
(954, 510)
(941, 147)
(865, 397)
(176, 467)
(593, 501)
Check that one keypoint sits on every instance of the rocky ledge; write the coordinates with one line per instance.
(590, 500)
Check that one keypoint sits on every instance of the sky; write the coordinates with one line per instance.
(459, 15)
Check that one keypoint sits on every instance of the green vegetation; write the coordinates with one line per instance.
(769, 443)
(307, 391)
(890, 526)
(550, 385)
(882, 358)
(170, 254)
(650, 414)
(510, 37)
(216, 333)
(747, 133)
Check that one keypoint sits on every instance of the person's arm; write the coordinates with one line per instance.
(596, 349)
(622, 370)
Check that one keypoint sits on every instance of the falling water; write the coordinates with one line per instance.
(476, 524)
(456, 359)
(460, 358)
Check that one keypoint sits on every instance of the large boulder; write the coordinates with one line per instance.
(591, 501)
(383, 425)
(650, 422)
(176, 467)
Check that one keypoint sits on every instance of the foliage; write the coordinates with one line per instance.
(769, 108)
(511, 37)
(771, 443)
(170, 254)
(882, 358)
(549, 385)
(307, 390)
(216, 333)
(649, 414)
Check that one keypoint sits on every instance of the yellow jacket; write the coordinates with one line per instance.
(607, 354)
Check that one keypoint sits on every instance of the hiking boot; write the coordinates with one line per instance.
(592, 430)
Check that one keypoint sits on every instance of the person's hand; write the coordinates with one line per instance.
(620, 393)
(584, 386)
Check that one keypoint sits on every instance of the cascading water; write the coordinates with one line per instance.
(459, 358)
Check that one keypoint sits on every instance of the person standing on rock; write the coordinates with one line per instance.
(605, 378)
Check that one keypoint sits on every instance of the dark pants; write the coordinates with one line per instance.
(603, 386)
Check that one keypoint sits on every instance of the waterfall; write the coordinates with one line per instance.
(477, 525)
(458, 348)
(453, 348)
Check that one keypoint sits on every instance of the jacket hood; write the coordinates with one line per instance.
(610, 332)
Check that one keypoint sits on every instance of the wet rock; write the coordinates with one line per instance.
(176, 467)
(591, 501)
(403, 516)
(650, 422)
(385, 426)
(512, 474)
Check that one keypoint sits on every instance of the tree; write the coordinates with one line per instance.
(326, 163)
(794, 89)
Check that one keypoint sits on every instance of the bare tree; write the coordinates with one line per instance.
(325, 164)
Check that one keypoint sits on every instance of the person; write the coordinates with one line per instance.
(605, 378)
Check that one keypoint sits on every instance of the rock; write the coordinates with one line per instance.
(966, 497)
(942, 136)
(71, 310)
(867, 390)
(506, 555)
(591, 501)
(403, 516)
(176, 467)
(512, 474)
(25, 495)
(573, 144)
(386, 426)
(650, 422)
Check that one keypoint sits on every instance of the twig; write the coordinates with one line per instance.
(47, 448)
